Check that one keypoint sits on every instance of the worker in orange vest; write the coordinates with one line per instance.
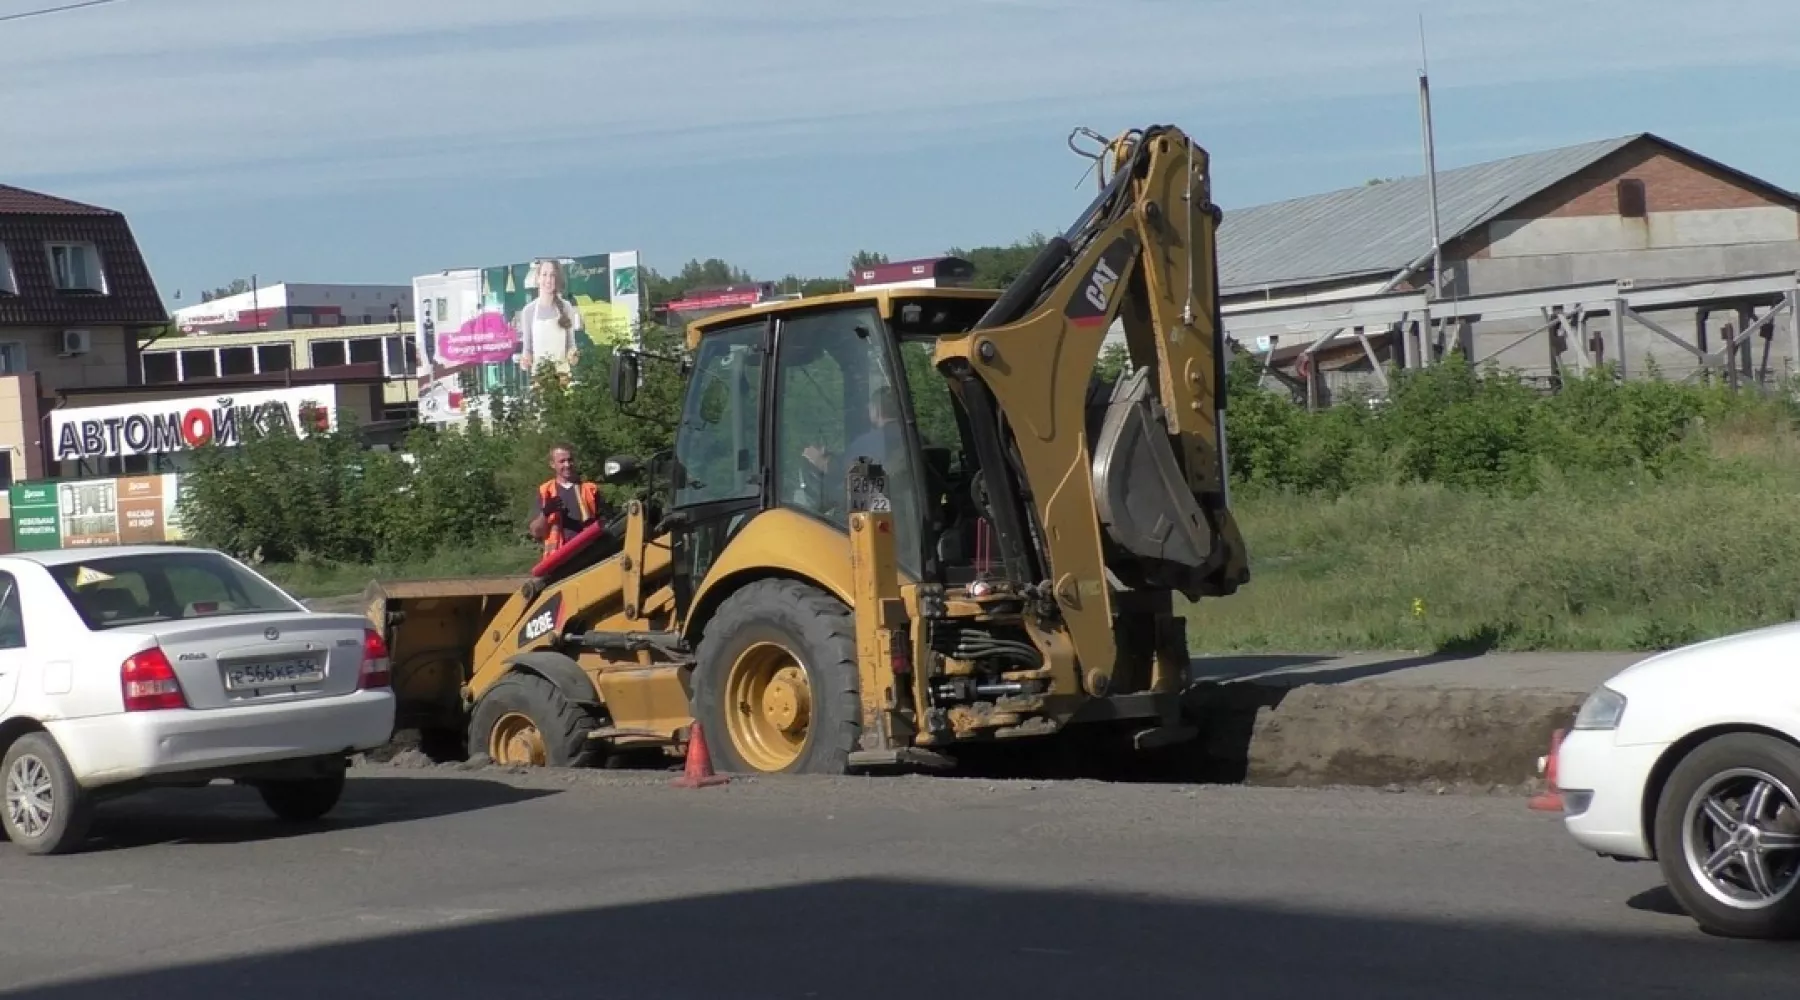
(566, 505)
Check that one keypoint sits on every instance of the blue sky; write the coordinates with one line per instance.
(353, 140)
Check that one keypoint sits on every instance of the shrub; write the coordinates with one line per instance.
(1591, 511)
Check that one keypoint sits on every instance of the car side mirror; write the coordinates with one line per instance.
(624, 376)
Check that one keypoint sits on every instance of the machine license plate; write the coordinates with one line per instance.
(273, 673)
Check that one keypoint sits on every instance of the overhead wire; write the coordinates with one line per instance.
(41, 11)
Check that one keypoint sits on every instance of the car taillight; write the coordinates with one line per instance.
(374, 673)
(150, 683)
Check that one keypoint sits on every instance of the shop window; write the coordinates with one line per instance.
(365, 350)
(237, 361)
(160, 368)
(199, 364)
(274, 357)
(327, 353)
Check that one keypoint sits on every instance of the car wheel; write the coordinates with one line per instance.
(1728, 836)
(45, 810)
(303, 800)
(776, 682)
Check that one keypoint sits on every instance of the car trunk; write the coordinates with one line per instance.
(260, 658)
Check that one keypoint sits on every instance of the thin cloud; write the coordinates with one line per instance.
(177, 99)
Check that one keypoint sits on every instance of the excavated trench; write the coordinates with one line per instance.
(1278, 735)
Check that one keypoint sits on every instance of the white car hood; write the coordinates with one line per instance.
(1743, 652)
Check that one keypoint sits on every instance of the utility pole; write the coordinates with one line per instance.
(1437, 247)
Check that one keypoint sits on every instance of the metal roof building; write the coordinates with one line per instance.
(1553, 226)
(1378, 229)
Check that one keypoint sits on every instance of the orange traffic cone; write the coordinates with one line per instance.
(699, 770)
(1550, 800)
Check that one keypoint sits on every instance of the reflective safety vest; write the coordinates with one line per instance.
(587, 494)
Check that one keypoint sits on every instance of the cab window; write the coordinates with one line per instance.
(839, 399)
(717, 451)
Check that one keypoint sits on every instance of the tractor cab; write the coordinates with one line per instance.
(782, 400)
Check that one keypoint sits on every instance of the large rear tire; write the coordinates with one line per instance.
(523, 720)
(776, 684)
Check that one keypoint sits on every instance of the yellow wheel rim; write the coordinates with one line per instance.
(768, 707)
(515, 740)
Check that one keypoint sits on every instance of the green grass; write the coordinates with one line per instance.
(326, 579)
(1602, 564)
(1606, 564)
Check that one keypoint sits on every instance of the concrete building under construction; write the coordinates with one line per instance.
(1631, 250)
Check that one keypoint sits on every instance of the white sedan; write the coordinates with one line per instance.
(1691, 758)
(127, 667)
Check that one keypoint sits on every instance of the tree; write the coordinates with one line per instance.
(863, 259)
(996, 267)
(238, 286)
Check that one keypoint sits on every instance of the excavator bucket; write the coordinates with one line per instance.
(1142, 495)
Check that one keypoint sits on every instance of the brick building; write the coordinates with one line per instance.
(1563, 222)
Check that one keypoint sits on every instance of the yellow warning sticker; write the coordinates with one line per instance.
(87, 577)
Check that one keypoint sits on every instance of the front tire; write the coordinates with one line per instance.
(1728, 836)
(303, 800)
(523, 720)
(43, 809)
(776, 683)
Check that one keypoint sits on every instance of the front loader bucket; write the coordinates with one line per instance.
(431, 627)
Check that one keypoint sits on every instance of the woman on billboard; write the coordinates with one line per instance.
(549, 324)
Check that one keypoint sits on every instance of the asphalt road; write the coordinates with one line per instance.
(613, 885)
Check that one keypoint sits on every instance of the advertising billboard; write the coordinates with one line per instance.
(123, 510)
(485, 331)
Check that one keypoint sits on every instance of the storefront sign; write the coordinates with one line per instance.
(172, 425)
(36, 524)
(90, 512)
(140, 509)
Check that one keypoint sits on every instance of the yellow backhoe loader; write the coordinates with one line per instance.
(896, 522)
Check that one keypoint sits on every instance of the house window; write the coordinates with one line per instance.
(12, 358)
(9, 282)
(75, 267)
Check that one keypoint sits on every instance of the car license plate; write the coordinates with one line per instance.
(272, 673)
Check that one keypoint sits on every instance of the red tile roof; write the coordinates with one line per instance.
(18, 201)
(28, 221)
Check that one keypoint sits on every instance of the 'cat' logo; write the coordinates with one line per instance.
(1100, 284)
(1089, 308)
